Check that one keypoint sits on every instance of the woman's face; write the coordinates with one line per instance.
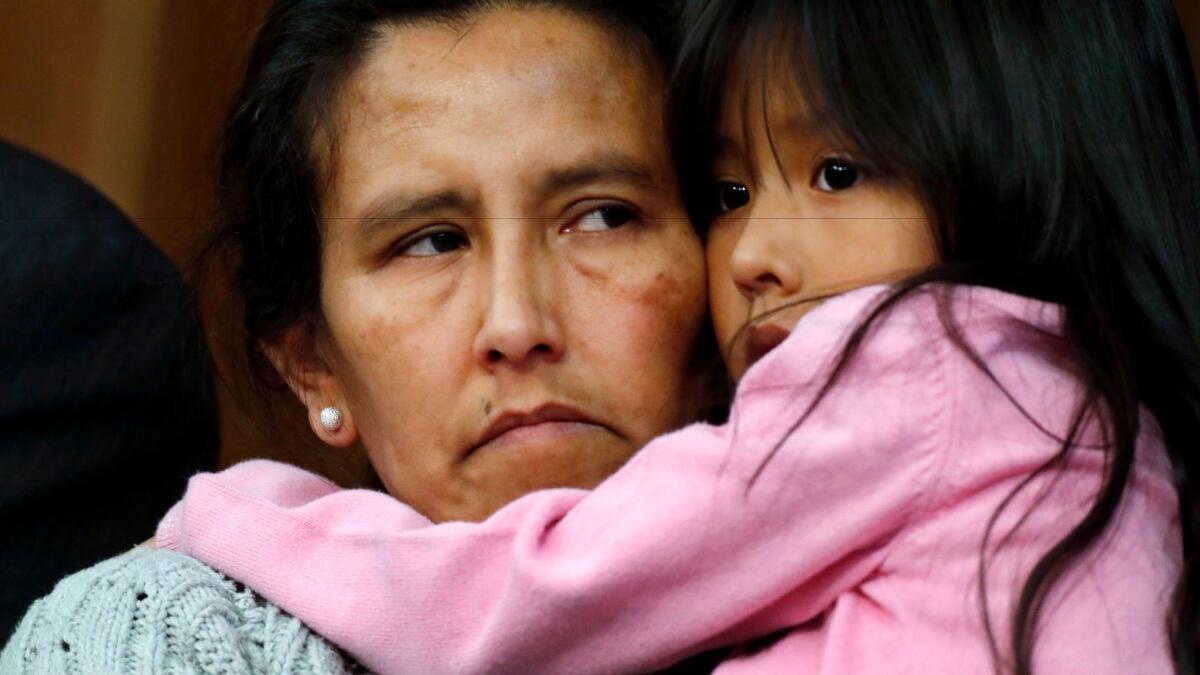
(511, 289)
(811, 221)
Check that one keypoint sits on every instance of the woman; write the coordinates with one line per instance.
(563, 335)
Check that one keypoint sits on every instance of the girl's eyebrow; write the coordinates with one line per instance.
(795, 124)
(800, 120)
(803, 124)
(724, 144)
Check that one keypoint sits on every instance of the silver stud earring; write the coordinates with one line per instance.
(331, 418)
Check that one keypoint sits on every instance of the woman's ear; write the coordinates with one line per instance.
(302, 363)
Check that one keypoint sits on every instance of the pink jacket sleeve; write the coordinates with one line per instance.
(674, 554)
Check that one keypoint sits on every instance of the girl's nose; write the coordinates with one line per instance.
(766, 258)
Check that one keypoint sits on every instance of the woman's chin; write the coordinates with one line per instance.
(553, 455)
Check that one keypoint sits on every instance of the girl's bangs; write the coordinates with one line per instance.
(741, 53)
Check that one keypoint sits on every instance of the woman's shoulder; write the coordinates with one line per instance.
(150, 611)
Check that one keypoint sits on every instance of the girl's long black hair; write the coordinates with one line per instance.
(1054, 145)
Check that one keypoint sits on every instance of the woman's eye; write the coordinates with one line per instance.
(433, 243)
(604, 218)
(836, 175)
(731, 196)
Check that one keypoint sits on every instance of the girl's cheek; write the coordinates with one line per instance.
(728, 306)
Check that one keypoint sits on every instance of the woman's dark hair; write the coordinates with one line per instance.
(1054, 145)
(279, 138)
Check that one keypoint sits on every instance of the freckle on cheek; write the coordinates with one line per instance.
(667, 291)
(634, 282)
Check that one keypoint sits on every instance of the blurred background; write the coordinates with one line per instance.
(130, 94)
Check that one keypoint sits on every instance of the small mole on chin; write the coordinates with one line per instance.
(487, 407)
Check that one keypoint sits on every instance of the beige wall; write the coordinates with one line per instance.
(130, 94)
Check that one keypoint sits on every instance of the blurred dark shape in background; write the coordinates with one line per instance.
(131, 95)
(106, 396)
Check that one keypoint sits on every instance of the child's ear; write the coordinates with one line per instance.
(303, 361)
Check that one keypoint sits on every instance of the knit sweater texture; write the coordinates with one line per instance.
(154, 611)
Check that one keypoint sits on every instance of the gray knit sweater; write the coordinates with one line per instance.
(150, 611)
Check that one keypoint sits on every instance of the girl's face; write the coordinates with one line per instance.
(797, 223)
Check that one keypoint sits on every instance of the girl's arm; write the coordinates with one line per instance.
(674, 554)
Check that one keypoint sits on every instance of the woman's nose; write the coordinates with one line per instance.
(766, 259)
(520, 327)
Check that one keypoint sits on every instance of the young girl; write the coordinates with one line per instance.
(955, 265)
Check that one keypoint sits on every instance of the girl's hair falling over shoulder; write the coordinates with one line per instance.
(1054, 145)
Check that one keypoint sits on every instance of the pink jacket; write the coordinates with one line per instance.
(859, 544)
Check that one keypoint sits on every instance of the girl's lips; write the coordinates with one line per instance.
(761, 339)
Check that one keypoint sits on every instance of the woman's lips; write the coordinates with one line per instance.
(538, 432)
(546, 422)
(761, 339)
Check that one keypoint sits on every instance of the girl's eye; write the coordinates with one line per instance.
(604, 218)
(433, 243)
(836, 175)
(731, 196)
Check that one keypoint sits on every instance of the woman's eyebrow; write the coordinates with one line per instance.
(613, 167)
(399, 206)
